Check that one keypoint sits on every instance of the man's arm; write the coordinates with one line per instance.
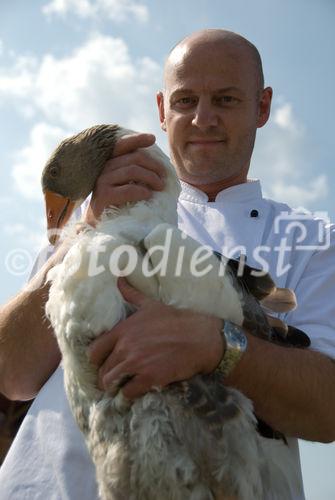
(28, 349)
(292, 389)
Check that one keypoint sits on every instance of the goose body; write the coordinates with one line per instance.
(194, 440)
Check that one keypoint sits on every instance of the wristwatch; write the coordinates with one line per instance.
(236, 344)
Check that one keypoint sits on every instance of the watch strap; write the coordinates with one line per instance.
(236, 344)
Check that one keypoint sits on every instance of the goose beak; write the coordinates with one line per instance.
(58, 211)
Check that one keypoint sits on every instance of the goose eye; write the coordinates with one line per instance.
(54, 172)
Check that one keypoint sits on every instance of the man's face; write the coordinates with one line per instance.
(211, 111)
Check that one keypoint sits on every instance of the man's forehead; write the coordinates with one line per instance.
(210, 53)
(177, 56)
(185, 68)
(227, 59)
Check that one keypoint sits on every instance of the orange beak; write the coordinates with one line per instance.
(58, 211)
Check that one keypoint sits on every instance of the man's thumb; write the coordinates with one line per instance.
(129, 143)
(131, 294)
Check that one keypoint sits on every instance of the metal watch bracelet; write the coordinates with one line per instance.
(236, 344)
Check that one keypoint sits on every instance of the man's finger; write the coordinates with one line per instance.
(106, 383)
(136, 388)
(132, 385)
(131, 295)
(99, 350)
(128, 143)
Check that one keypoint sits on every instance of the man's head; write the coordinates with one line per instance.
(212, 104)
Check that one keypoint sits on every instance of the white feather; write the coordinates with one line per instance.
(152, 448)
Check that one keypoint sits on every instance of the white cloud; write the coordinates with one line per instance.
(29, 161)
(295, 195)
(281, 162)
(283, 117)
(16, 80)
(32, 238)
(115, 10)
(82, 8)
(99, 82)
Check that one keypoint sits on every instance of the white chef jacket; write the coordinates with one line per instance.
(49, 459)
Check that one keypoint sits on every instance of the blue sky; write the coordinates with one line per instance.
(69, 64)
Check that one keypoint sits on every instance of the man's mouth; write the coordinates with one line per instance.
(206, 142)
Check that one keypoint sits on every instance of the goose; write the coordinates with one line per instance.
(193, 440)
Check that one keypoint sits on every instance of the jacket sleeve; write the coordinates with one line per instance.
(315, 291)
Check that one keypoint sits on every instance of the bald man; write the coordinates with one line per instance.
(212, 104)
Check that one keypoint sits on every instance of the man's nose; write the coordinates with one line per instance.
(205, 115)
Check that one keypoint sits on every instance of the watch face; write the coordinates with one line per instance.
(236, 344)
(236, 338)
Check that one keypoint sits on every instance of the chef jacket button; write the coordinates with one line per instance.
(254, 213)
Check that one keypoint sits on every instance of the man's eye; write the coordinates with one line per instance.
(227, 99)
(185, 101)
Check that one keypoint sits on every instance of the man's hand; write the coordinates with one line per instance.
(157, 345)
(131, 175)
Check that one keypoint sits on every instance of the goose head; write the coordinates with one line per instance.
(71, 172)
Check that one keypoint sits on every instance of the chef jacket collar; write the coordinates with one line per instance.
(250, 190)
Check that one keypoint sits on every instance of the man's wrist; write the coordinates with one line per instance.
(235, 344)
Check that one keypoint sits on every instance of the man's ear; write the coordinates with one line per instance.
(264, 106)
(160, 104)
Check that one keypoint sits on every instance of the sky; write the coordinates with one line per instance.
(69, 64)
